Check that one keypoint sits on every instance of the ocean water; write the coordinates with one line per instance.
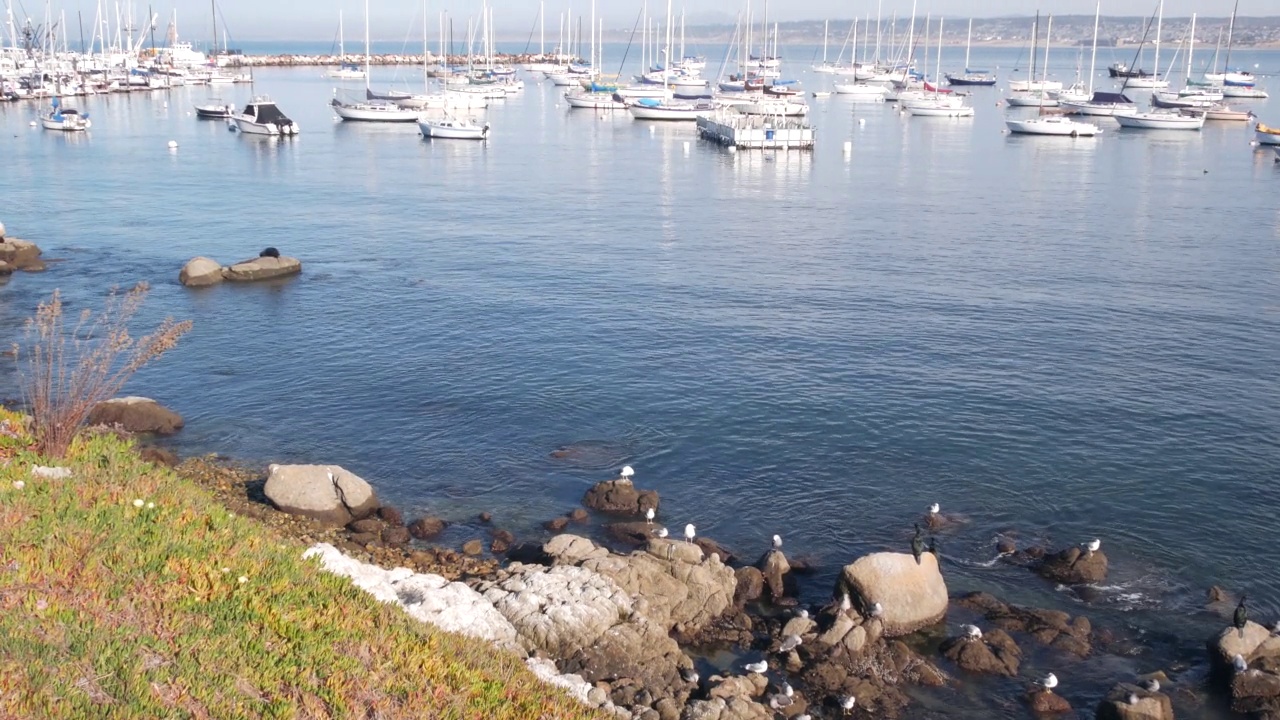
(1056, 339)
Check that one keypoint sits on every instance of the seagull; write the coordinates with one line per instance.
(1241, 617)
(689, 674)
(845, 603)
(779, 701)
(690, 532)
(877, 610)
(1050, 681)
(1133, 698)
(973, 632)
(789, 643)
(648, 516)
(917, 544)
(848, 702)
(1275, 629)
(805, 716)
(802, 613)
(756, 667)
(1151, 685)
(1093, 545)
(777, 542)
(934, 509)
(627, 472)
(1239, 663)
(662, 532)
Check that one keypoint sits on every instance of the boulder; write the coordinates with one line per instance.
(425, 528)
(750, 586)
(1074, 566)
(556, 525)
(736, 708)
(912, 595)
(633, 533)
(137, 415)
(1050, 627)
(1045, 702)
(262, 268)
(395, 536)
(711, 547)
(328, 493)
(472, 547)
(21, 254)
(200, 272)
(391, 516)
(976, 656)
(1149, 706)
(620, 497)
(774, 566)
(1254, 643)
(502, 541)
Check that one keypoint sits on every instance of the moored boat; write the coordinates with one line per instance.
(372, 111)
(1158, 120)
(215, 109)
(261, 117)
(650, 109)
(452, 128)
(1102, 104)
(1266, 135)
(1056, 125)
(65, 119)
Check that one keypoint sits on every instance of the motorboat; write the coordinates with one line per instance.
(452, 128)
(373, 111)
(1158, 120)
(261, 117)
(1266, 135)
(1052, 125)
(346, 71)
(215, 109)
(63, 118)
(1120, 70)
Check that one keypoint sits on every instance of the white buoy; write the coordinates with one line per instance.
(733, 148)
(173, 144)
(848, 146)
(33, 123)
(652, 129)
(862, 122)
(686, 147)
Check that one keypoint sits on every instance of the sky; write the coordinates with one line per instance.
(394, 19)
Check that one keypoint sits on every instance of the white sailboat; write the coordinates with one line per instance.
(1031, 92)
(1158, 120)
(1098, 103)
(1053, 125)
(940, 103)
(65, 119)
(1152, 81)
(370, 110)
(451, 127)
(345, 70)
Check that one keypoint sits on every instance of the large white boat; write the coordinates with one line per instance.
(935, 105)
(1244, 92)
(373, 111)
(1158, 120)
(593, 100)
(1037, 98)
(452, 128)
(1052, 125)
(65, 119)
(261, 117)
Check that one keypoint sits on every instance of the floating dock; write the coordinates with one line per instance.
(757, 132)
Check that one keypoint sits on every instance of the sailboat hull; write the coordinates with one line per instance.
(1158, 121)
(369, 112)
(1055, 126)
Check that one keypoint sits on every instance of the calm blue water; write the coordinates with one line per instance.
(1062, 339)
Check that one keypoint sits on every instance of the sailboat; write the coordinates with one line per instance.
(66, 119)
(1032, 92)
(1098, 103)
(860, 89)
(1231, 77)
(370, 110)
(970, 76)
(941, 103)
(1152, 81)
(346, 70)
(1056, 125)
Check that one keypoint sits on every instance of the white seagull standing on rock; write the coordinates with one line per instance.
(1093, 545)
(1050, 681)
(934, 509)
(1239, 663)
(648, 516)
(690, 532)
(777, 542)
(1151, 685)
(662, 532)
(789, 643)
(756, 667)
(845, 603)
(973, 632)
(877, 610)
(848, 702)
(626, 473)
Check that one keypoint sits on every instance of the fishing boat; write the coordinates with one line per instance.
(261, 117)
(215, 109)
(63, 118)
(1158, 120)
(1120, 70)
(452, 128)
(970, 77)
(1266, 135)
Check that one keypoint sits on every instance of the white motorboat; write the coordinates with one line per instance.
(1158, 120)
(1266, 135)
(452, 128)
(650, 109)
(346, 71)
(593, 100)
(372, 111)
(65, 119)
(216, 109)
(1052, 125)
(261, 117)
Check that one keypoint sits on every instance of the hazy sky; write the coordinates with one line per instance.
(394, 19)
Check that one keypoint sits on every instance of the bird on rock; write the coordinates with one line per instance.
(917, 544)
(690, 532)
(662, 532)
(848, 702)
(845, 603)
(1239, 663)
(1050, 681)
(689, 674)
(1093, 545)
(1133, 698)
(934, 547)
(973, 632)
(789, 643)
(1241, 617)
(777, 542)
(934, 509)
(877, 610)
(756, 667)
(1151, 685)
(648, 516)
(627, 473)
(805, 716)
(1275, 629)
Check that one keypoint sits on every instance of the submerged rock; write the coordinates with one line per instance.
(201, 272)
(1044, 702)
(994, 655)
(21, 254)
(262, 268)
(912, 595)
(137, 415)
(1049, 627)
(425, 528)
(1074, 566)
(328, 493)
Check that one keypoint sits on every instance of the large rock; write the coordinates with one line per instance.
(735, 708)
(1074, 566)
(136, 414)
(912, 595)
(201, 272)
(1253, 643)
(262, 268)
(774, 566)
(1149, 706)
(620, 497)
(1044, 702)
(450, 606)
(21, 254)
(1050, 627)
(327, 493)
(976, 656)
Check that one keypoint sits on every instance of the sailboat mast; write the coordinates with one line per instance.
(878, 30)
(666, 61)
(593, 37)
(1159, 23)
(426, 80)
(1048, 29)
(825, 24)
(682, 33)
(967, 41)
(213, 12)
(1035, 40)
(1093, 57)
(1231, 28)
(542, 31)
(366, 44)
(342, 48)
(1191, 46)
(853, 53)
(911, 48)
(938, 72)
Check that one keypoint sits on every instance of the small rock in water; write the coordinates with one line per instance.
(578, 515)
(391, 515)
(502, 541)
(557, 524)
(473, 547)
(486, 517)
(426, 528)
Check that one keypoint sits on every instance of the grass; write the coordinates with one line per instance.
(183, 609)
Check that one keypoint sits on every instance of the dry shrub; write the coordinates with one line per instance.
(68, 369)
